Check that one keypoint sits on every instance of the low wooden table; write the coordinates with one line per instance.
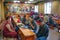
(26, 34)
(57, 21)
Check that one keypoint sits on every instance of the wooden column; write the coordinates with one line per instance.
(2, 10)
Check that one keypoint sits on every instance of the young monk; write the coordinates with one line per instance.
(9, 31)
(43, 31)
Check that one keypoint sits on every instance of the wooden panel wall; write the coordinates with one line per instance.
(41, 7)
(56, 7)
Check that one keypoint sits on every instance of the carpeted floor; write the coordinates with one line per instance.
(1, 37)
(53, 35)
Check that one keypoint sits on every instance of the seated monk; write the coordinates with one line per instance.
(9, 31)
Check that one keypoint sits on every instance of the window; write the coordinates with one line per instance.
(47, 8)
(36, 8)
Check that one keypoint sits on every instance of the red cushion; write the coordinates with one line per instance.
(38, 22)
(18, 21)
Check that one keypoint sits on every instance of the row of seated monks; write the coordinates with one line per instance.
(32, 23)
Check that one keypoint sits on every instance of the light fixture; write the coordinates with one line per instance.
(31, 0)
(26, 2)
(16, 1)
